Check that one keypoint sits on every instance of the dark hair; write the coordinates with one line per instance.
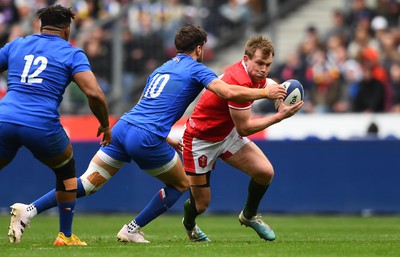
(56, 16)
(189, 37)
(259, 42)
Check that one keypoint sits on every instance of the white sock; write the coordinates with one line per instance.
(31, 211)
(133, 226)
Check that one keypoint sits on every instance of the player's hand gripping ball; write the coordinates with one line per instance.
(294, 91)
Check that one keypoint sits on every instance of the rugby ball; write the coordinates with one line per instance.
(294, 91)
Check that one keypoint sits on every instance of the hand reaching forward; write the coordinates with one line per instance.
(176, 144)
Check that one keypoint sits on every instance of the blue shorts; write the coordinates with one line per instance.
(42, 143)
(147, 149)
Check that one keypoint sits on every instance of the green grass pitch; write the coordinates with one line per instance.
(297, 236)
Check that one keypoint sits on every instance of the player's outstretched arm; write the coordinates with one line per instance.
(97, 102)
(240, 94)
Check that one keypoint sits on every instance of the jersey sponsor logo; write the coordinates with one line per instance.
(202, 161)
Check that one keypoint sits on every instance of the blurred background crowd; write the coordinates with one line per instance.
(354, 66)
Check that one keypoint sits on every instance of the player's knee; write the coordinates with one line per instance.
(202, 206)
(66, 177)
(94, 178)
(183, 184)
(264, 175)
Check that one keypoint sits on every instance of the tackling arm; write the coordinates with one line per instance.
(236, 93)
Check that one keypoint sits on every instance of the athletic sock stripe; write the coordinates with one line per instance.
(162, 194)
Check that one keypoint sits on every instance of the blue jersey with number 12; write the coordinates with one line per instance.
(40, 67)
(169, 91)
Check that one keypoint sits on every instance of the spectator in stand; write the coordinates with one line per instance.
(290, 69)
(26, 14)
(372, 131)
(235, 13)
(336, 56)
(16, 30)
(370, 97)
(312, 34)
(390, 9)
(8, 16)
(362, 39)
(99, 58)
(149, 40)
(389, 53)
(352, 75)
(394, 76)
(325, 79)
(379, 26)
(9, 12)
(171, 18)
(308, 47)
(338, 28)
(358, 10)
(370, 60)
(134, 72)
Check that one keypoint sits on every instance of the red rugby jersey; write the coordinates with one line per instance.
(211, 119)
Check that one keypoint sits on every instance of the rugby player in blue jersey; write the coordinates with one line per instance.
(141, 134)
(40, 67)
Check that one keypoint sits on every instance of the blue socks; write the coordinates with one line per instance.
(49, 200)
(66, 212)
(160, 203)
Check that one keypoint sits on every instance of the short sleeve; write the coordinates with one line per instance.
(203, 75)
(80, 62)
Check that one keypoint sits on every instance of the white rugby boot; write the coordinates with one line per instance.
(19, 221)
(135, 237)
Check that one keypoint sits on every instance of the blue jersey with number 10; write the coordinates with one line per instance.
(40, 67)
(169, 91)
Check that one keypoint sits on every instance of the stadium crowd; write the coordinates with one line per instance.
(352, 67)
(355, 65)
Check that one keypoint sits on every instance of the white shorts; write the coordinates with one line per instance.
(199, 156)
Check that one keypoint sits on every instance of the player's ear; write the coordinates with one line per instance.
(199, 48)
(66, 33)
